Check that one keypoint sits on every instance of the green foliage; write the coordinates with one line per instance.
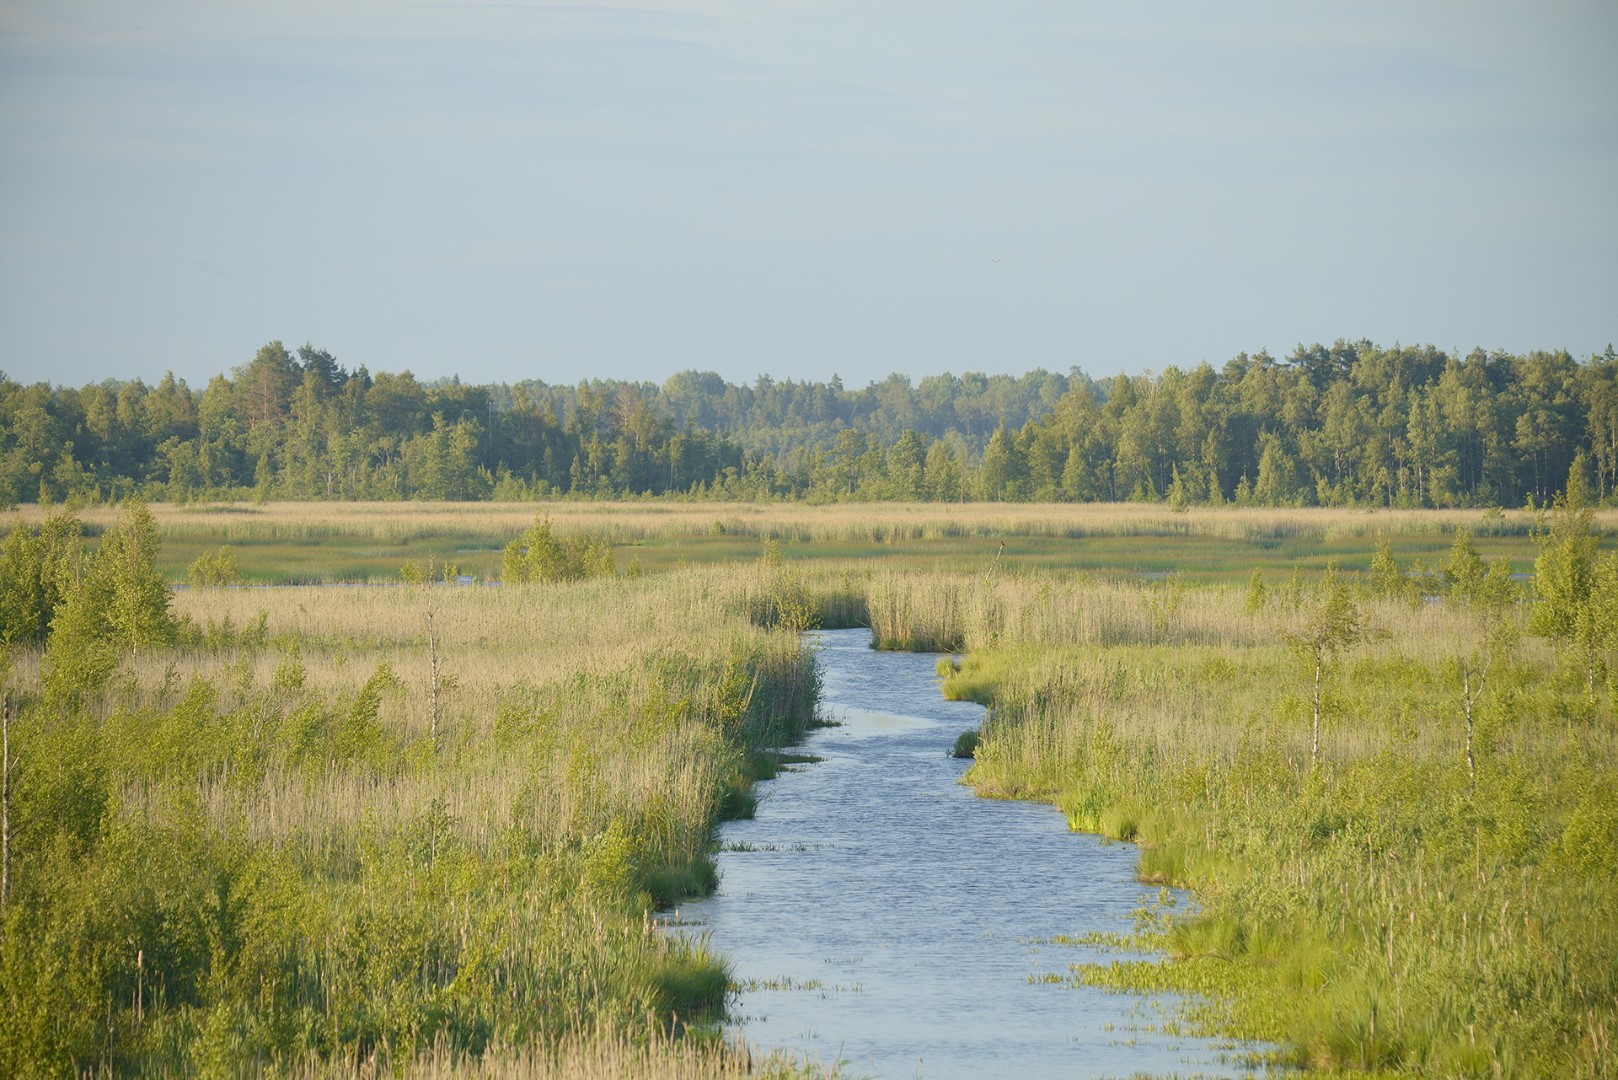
(1257, 594)
(214, 568)
(118, 605)
(360, 735)
(1345, 424)
(1595, 623)
(79, 657)
(216, 874)
(1277, 483)
(1373, 911)
(1002, 477)
(174, 869)
(788, 603)
(966, 744)
(1576, 594)
(541, 555)
(1331, 623)
(1562, 571)
(1464, 571)
(1179, 493)
(37, 568)
(124, 577)
(1589, 840)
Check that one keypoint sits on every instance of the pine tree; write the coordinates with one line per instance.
(1179, 498)
(1003, 470)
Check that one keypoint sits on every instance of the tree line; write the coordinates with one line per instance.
(1348, 424)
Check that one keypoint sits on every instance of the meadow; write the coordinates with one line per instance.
(423, 828)
(312, 543)
(369, 826)
(1426, 886)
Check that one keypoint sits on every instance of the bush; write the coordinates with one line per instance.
(541, 555)
(213, 568)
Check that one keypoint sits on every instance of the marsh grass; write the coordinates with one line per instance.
(1372, 912)
(251, 849)
(251, 854)
(282, 543)
(583, 1056)
(965, 745)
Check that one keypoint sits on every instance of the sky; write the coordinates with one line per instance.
(797, 188)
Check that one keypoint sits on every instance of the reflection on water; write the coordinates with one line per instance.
(878, 913)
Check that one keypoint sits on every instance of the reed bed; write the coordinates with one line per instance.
(423, 829)
(955, 613)
(627, 522)
(283, 543)
(585, 1056)
(274, 842)
(1379, 909)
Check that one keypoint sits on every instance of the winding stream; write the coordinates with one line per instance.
(880, 914)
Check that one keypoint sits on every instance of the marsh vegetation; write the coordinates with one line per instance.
(420, 827)
(259, 828)
(1395, 806)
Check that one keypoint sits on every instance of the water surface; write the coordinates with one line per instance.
(880, 914)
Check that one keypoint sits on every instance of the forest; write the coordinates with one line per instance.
(1352, 424)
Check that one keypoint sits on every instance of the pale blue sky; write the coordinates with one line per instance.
(554, 191)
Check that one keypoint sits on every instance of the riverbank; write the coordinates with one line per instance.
(877, 913)
(365, 825)
(1382, 907)
(373, 825)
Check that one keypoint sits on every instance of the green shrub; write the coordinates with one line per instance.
(213, 568)
(541, 555)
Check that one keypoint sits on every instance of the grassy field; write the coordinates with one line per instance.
(329, 831)
(1425, 898)
(275, 840)
(278, 543)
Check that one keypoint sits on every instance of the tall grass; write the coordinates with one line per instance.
(251, 849)
(581, 1056)
(302, 543)
(626, 522)
(284, 845)
(1373, 912)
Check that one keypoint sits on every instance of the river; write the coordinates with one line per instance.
(878, 913)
